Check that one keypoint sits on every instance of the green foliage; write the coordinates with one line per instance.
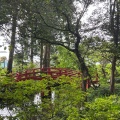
(65, 59)
(2, 72)
(106, 108)
(117, 89)
(67, 104)
(118, 70)
(117, 80)
(19, 97)
(104, 72)
(69, 99)
(18, 93)
(20, 67)
(102, 91)
(29, 66)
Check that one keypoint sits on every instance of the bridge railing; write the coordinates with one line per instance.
(38, 73)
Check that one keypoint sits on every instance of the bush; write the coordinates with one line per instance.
(69, 102)
(101, 91)
(117, 80)
(19, 97)
(106, 108)
(117, 89)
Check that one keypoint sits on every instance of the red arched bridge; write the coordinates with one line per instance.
(39, 74)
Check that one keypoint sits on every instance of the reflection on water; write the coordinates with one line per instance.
(6, 112)
(37, 100)
(52, 96)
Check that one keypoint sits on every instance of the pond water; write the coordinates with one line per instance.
(37, 100)
(6, 112)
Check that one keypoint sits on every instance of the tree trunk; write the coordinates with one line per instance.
(84, 70)
(115, 23)
(12, 44)
(41, 54)
(46, 62)
(112, 81)
(22, 57)
(103, 71)
(31, 51)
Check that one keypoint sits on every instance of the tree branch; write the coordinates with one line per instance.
(54, 43)
(48, 24)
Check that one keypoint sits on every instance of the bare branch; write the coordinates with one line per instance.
(68, 23)
(90, 29)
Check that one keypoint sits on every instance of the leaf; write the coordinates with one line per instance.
(5, 48)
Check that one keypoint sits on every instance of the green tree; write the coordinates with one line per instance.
(62, 58)
(4, 18)
(63, 27)
(114, 30)
(12, 45)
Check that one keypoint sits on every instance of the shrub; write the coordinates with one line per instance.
(101, 91)
(19, 97)
(106, 108)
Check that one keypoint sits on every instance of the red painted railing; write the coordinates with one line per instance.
(40, 73)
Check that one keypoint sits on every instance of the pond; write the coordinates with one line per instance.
(37, 100)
